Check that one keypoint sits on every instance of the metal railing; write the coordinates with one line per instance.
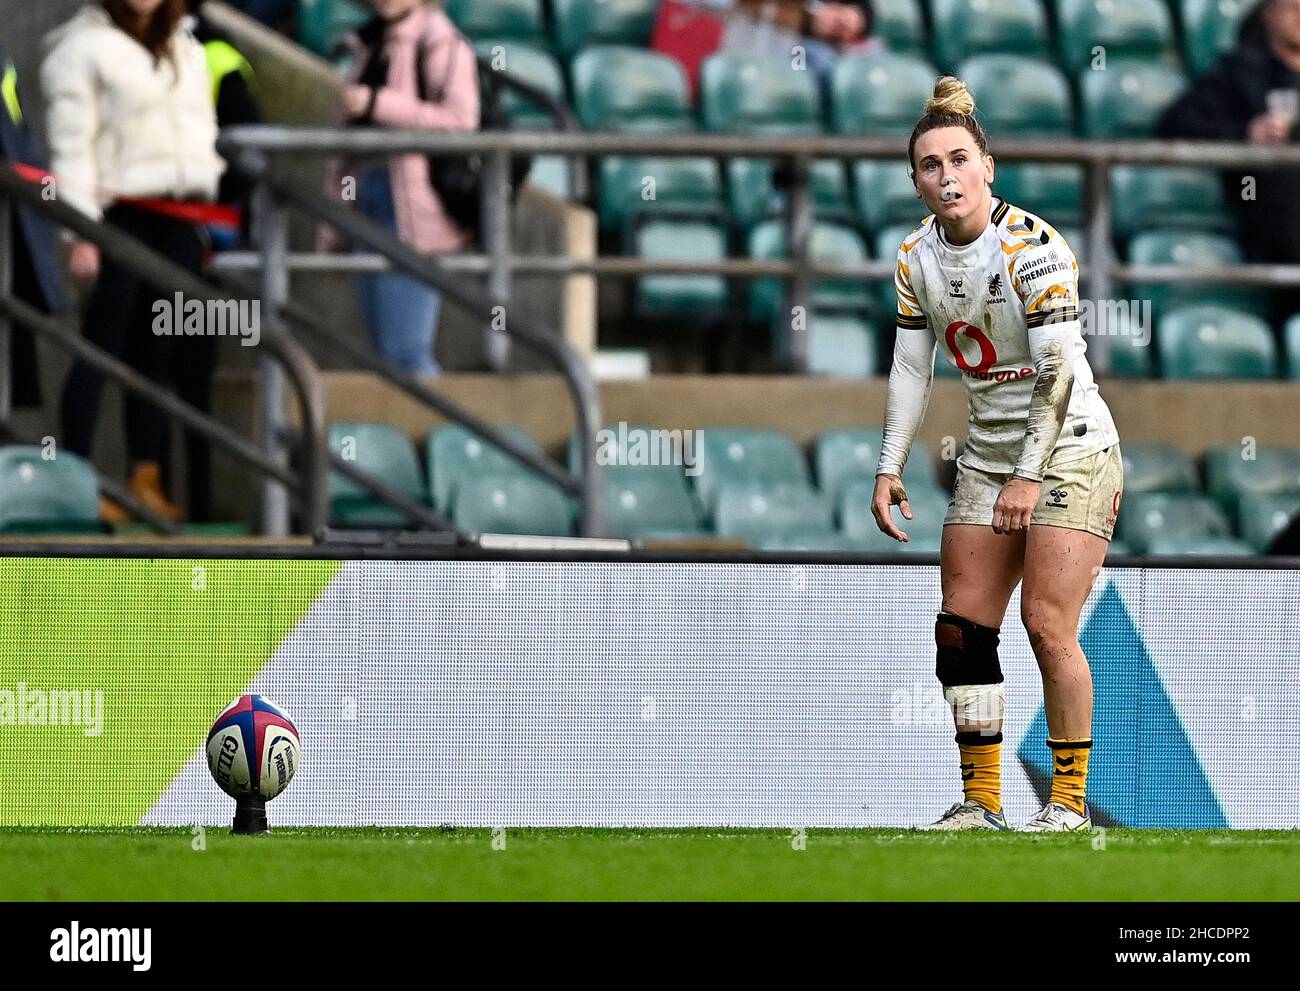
(308, 481)
(1101, 270)
(272, 261)
(276, 194)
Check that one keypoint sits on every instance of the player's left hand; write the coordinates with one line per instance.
(1015, 506)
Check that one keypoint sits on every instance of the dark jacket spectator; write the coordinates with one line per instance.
(234, 92)
(37, 266)
(1245, 97)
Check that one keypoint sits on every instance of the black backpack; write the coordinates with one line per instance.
(458, 179)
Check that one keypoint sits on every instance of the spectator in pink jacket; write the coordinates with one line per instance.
(383, 91)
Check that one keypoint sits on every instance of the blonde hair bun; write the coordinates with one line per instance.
(950, 97)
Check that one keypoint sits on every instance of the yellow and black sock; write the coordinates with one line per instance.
(981, 768)
(1070, 773)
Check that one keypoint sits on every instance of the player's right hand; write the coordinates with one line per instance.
(890, 493)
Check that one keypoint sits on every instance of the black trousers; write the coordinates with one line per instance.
(24, 377)
(119, 318)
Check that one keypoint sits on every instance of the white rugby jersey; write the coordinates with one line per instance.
(994, 308)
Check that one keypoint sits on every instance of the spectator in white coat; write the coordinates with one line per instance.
(132, 132)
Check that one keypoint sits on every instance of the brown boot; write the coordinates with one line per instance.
(145, 484)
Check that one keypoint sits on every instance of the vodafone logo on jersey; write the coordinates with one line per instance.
(988, 355)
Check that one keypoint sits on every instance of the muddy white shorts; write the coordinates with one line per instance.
(1078, 495)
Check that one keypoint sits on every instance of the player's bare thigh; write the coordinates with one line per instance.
(979, 569)
(1060, 567)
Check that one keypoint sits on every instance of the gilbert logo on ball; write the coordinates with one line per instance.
(253, 748)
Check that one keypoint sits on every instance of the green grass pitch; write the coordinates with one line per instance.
(649, 864)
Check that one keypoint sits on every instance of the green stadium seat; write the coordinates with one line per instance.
(529, 64)
(1229, 476)
(60, 495)
(1128, 98)
(1076, 238)
(456, 454)
(581, 23)
(886, 243)
(1051, 191)
(841, 345)
(977, 27)
(323, 24)
(885, 197)
(1291, 341)
(497, 18)
(512, 503)
(1124, 28)
(1210, 29)
(1266, 514)
(851, 454)
(387, 455)
(1025, 97)
(900, 24)
(1157, 468)
(929, 505)
(629, 89)
(1204, 547)
(747, 455)
(1211, 342)
(752, 510)
(1145, 517)
(830, 244)
(700, 297)
(1131, 356)
(641, 501)
(765, 94)
(758, 94)
(538, 68)
(880, 94)
(553, 173)
(633, 187)
(1199, 250)
(752, 195)
(1149, 196)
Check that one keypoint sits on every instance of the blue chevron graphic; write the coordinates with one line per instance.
(1143, 770)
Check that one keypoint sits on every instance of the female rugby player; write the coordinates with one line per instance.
(1040, 480)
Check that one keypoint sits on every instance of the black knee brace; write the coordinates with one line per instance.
(968, 652)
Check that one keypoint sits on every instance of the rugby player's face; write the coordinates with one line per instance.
(951, 175)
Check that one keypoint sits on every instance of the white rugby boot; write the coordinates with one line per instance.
(1057, 818)
(968, 815)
